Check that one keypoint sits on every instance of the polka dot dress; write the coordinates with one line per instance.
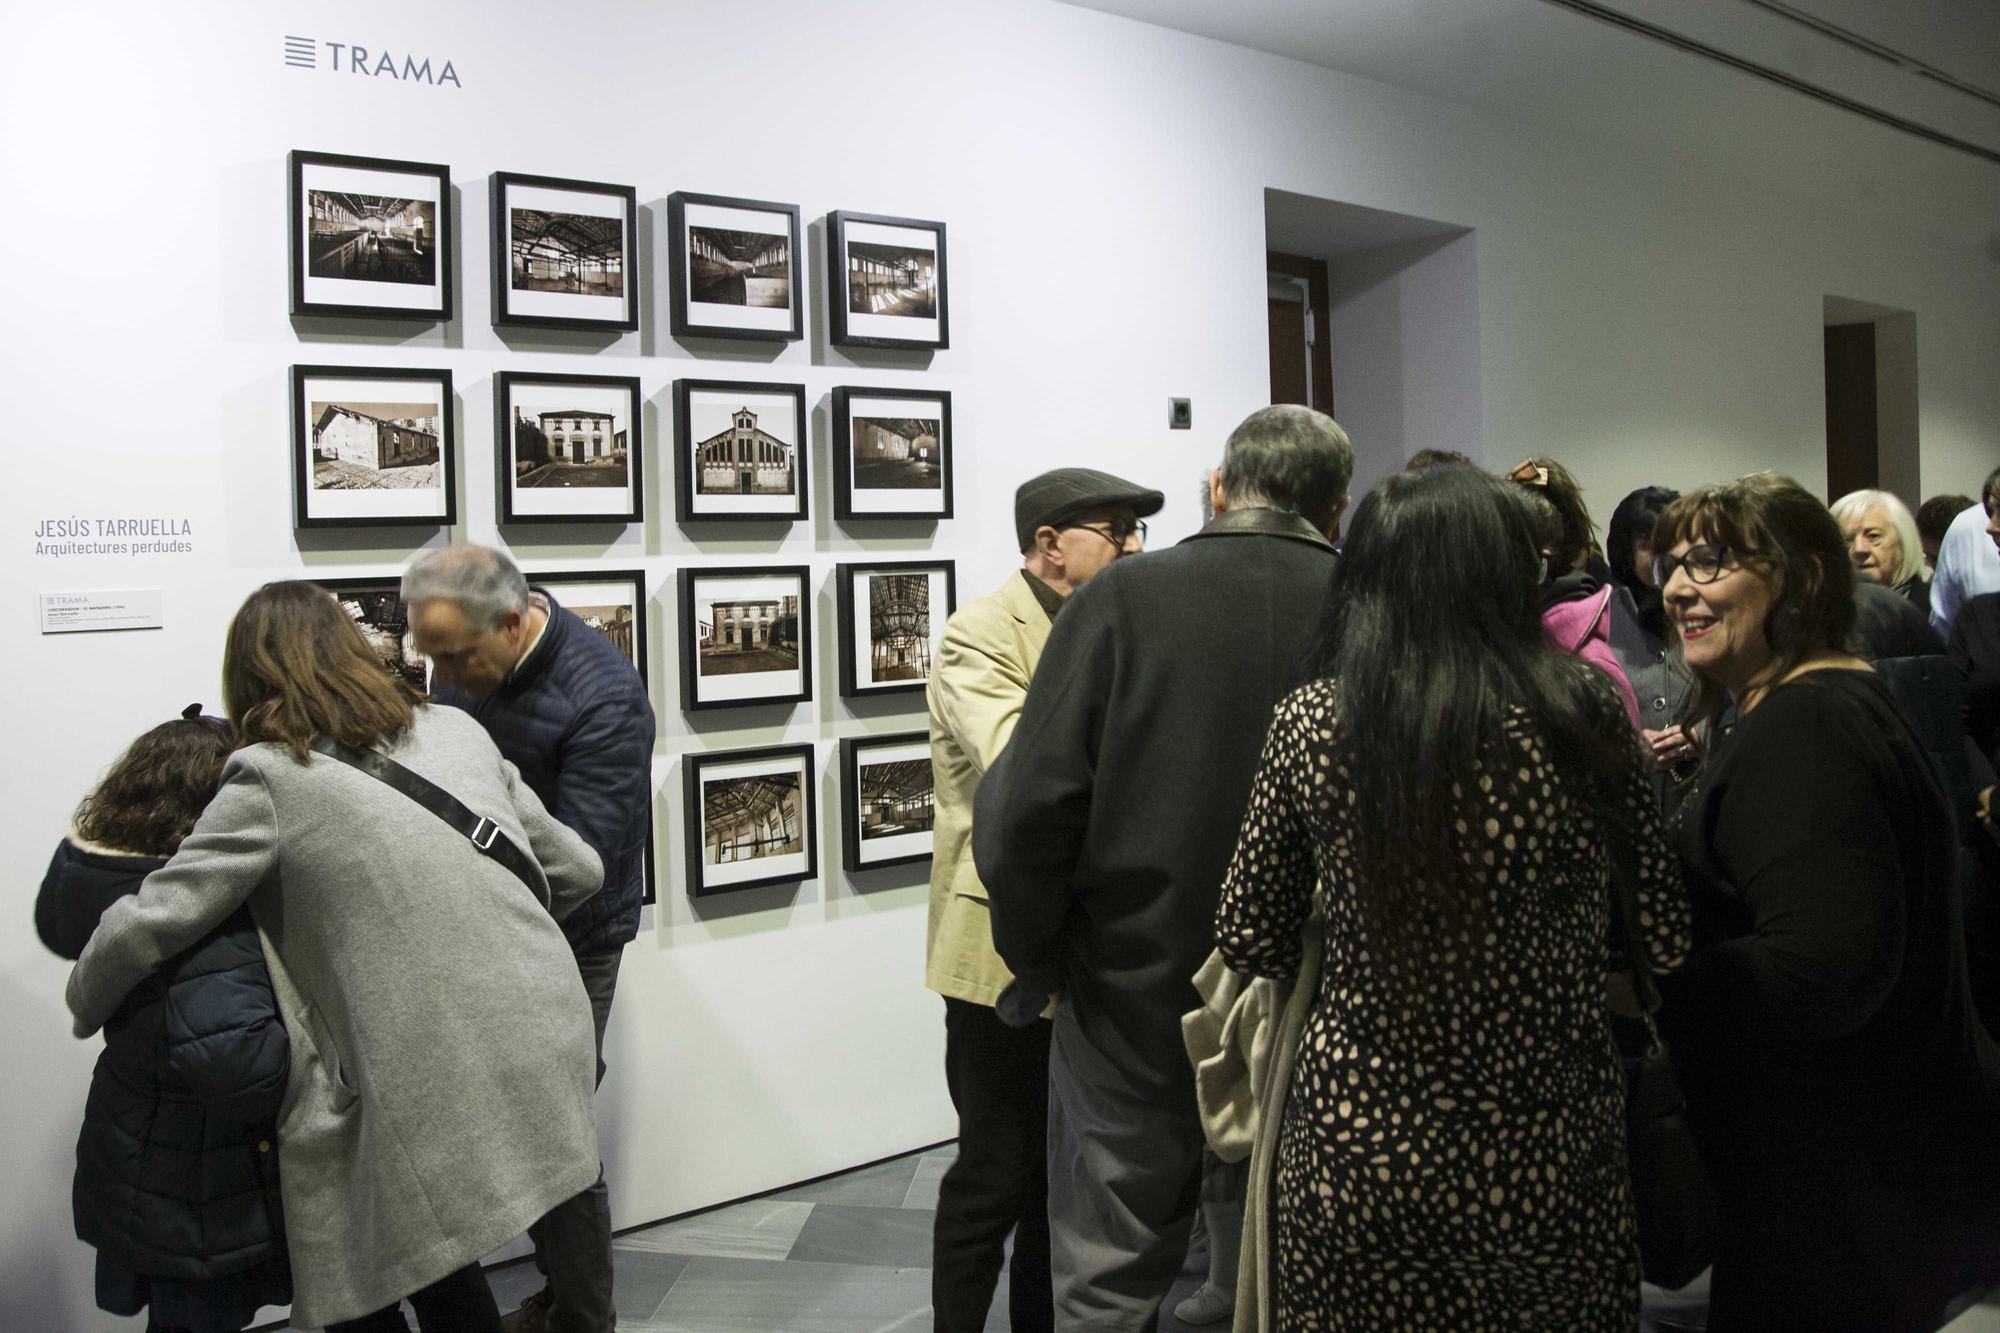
(1457, 1164)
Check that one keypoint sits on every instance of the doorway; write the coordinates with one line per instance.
(1871, 399)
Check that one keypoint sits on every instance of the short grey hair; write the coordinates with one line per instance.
(482, 582)
(1851, 511)
(1291, 458)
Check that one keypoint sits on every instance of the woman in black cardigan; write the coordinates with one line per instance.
(1845, 1098)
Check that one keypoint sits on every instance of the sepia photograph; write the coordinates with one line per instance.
(370, 237)
(563, 253)
(886, 282)
(371, 446)
(749, 817)
(568, 449)
(611, 602)
(891, 614)
(887, 799)
(376, 608)
(740, 450)
(745, 635)
(897, 454)
(734, 268)
(891, 453)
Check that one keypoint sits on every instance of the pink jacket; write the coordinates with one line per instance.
(1583, 627)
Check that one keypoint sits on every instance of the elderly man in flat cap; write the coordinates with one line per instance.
(1071, 524)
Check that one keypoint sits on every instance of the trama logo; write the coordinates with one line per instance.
(374, 62)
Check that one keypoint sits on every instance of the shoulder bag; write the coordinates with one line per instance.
(487, 837)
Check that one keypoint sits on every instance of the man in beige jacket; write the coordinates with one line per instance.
(1070, 523)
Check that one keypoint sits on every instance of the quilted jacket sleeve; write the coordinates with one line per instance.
(226, 1041)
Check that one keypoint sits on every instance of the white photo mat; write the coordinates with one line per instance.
(722, 874)
(706, 592)
(415, 296)
(582, 203)
(893, 847)
(413, 502)
(778, 225)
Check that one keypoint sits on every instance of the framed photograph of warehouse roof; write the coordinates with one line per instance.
(371, 237)
(734, 268)
(891, 614)
(885, 282)
(565, 253)
(739, 450)
(885, 800)
(375, 605)
(372, 445)
(891, 453)
(568, 448)
(745, 636)
(750, 818)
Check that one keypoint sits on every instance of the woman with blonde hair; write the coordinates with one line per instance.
(1882, 540)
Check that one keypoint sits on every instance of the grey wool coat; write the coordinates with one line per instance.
(442, 1047)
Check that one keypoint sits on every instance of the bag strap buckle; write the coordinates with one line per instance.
(484, 833)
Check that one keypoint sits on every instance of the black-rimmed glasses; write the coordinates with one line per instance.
(1703, 563)
(1116, 533)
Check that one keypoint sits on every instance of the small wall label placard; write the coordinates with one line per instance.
(100, 609)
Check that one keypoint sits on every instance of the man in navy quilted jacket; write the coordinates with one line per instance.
(566, 707)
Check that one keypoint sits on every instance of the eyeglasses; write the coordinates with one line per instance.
(1115, 533)
(1703, 563)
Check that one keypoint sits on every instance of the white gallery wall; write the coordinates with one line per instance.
(1646, 318)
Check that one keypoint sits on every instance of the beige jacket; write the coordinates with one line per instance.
(984, 664)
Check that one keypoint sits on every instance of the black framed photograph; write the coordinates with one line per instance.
(565, 253)
(611, 601)
(371, 237)
(885, 282)
(739, 450)
(891, 615)
(372, 445)
(745, 636)
(734, 268)
(375, 605)
(886, 800)
(750, 818)
(568, 448)
(891, 453)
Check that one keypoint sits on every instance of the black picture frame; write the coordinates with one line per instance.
(898, 750)
(570, 429)
(553, 308)
(850, 326)
(879, 501)
(699, 770)
(701, 403)
(374, 272)
(342, 443)
(738, 586)
(915, 645)
(375, 602)
(691, 318)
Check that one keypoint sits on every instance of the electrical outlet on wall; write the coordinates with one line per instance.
(1180, 414)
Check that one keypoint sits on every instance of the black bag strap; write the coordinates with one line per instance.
(1623, 883)
(485, 835)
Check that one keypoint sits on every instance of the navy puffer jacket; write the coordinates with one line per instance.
(177, 1164)
(574, 718)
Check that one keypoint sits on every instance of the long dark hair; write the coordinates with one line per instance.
(152, 795)
(1432, 639)
(295, 668)
(1632, 519)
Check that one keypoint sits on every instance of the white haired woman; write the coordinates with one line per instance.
(1882, 540)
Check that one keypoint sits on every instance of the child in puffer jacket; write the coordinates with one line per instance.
(177, 1166)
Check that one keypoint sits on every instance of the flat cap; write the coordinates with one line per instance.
(1056, 497)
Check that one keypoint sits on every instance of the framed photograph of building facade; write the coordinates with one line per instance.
(372, 445)
(750, 818)
(565, 253)
(740, 450)
(734, 268)
(891, 453)
(611, 601)
(568, 448)
(885, 282)
(370, 237)
(375, 605)
(745, 636)
(891, 615)
(885, 800)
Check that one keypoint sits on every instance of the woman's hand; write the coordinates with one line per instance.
(1983, 807)
(1668, 747)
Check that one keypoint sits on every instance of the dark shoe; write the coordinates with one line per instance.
(532, 1317)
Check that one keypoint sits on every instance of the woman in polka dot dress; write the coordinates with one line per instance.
(1446, 793)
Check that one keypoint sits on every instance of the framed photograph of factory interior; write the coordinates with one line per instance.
(568, 448)
(370, 237)
(885, 800)
(891, 453)
(885, 282)
(745, 636)
(891, 615)
(750, 818)
(565, 253)
(372, 445)
(375, 605)
(739, 451)
(734, 268)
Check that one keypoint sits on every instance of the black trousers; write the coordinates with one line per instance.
(999, 1081)
(458, 1302)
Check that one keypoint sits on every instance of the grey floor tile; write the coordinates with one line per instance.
(880, 1186)
(923, 1191)
(754, 1229)
(944, 1150)
(844, 1234)
(640, 1280)
(744, 1296)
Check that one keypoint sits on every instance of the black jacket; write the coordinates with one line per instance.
(574, 718)
(1103, 830)
(177, 1164)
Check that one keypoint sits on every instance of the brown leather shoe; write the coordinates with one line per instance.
(532, 1317)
